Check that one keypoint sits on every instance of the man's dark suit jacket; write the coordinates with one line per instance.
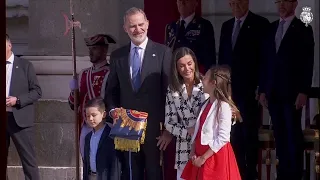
(245, 58)
(150, 97)
(24, 86)
(289, 71)
(107, 162)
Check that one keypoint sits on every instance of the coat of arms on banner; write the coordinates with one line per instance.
(306, 15)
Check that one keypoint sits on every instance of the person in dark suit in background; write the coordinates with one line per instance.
(100, 160)
(138, 80)
(194, 32)
(22, 90)
(241, 49)
(286, 78)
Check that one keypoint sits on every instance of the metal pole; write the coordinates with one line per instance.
(76, 102)
(76, 93)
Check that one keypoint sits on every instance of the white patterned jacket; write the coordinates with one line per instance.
(180, 114)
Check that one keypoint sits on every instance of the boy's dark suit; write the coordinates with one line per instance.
(150, 98)
(286, 73)
(244, 62)
(107, 162)
(24, 85)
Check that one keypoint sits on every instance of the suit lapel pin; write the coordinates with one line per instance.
(248, 26)
(17, 67)
(153, 55)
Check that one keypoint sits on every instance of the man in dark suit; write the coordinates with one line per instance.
(22, 90)
(286, 78)
(194, 32)
(138, 80)
(240, 48)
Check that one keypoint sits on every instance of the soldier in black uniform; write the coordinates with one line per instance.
(194, 32)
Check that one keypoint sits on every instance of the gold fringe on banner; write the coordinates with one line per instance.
(127, 144)
(123, 144)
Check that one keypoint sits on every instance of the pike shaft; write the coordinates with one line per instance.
(76, 100)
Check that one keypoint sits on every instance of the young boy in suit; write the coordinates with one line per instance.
(100, 159)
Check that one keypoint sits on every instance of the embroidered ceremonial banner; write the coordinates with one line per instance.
(129, 129)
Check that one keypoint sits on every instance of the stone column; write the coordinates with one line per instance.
(17, 24)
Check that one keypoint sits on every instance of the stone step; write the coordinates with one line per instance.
(54, 141)
(46, 173)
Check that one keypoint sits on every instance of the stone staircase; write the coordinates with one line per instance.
(54, 143)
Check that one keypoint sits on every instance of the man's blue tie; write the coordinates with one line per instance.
(236, 33)
(279, 34)
(136, 69)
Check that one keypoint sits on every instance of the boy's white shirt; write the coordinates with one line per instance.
(215, 132)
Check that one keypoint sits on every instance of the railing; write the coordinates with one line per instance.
(311, 138)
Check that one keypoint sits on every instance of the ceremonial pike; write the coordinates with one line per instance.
(71, 24)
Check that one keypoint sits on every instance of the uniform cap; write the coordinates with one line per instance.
(99, 40)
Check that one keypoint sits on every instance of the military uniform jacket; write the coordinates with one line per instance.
(198, 36)
(181, 113)
(92, 83)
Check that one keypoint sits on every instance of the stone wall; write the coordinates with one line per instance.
(54, 143)
(17, 24)
(49, 51)
(47, 27)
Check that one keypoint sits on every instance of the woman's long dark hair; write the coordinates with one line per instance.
(176, 80)
(222, 76)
